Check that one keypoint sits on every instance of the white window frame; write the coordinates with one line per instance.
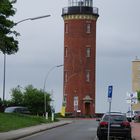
(88, 52)
(66, 28)
(66, 76)
(66, 52)
(87, 75)
(88, 28)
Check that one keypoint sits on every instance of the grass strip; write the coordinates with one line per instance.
(15, 121)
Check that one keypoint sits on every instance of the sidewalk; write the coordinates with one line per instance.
(135, 130)
(16, 134)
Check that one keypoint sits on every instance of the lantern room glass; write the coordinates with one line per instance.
(85, 3)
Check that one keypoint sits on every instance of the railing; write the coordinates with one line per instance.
(95, 10)
(78, 10)
(88, 3)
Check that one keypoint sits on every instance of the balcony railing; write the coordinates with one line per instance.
(80, 10)
(88, 3)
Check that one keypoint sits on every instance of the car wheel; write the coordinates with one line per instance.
(128, 138)
(102, 138)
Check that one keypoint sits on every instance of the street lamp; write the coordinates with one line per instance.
(35, 18)
(4, 69)
(46, 77)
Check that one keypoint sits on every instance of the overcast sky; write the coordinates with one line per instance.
(41, 48)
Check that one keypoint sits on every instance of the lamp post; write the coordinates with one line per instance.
(4, 72)
(4, 66)
(34, 18)
(44, 87)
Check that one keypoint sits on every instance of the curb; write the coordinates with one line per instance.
(38, 131)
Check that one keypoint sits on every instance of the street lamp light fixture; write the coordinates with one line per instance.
(39, 17)
(34, 18)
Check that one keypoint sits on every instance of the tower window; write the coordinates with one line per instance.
(75, 99)
(65, 76)
(87, 76)
(138, 68)
(66, 27)
(65, 100)
(88, 52)
(66, 52)
(88, 28)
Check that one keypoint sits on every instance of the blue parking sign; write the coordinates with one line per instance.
(110, 89)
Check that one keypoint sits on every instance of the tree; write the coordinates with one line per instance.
(3, 104)
(32, 98)
(17, 96)
(138, 92)
(8, 44)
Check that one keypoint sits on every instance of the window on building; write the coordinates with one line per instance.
(138, 68)
(65, 76)
(138, 76)
(66, 52)
(66, 27)
(87, 76)
(65, 100)
(88, 28)
(75, 99)
(88, 52)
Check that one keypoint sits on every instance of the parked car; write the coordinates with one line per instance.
(119, 126)
(131, 114)
(137, 117)
(17, 109)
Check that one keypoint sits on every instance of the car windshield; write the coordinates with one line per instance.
(114, 118)
(137, 112)
(9, 109)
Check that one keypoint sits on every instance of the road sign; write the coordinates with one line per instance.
(110, 89)
(132, 98)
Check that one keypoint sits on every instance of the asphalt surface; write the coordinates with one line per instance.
(81, 129)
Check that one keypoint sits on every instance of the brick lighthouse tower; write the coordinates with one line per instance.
(79, 56)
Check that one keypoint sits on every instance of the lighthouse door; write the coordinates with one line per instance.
(87, 109)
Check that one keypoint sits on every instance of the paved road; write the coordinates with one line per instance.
(80, 129)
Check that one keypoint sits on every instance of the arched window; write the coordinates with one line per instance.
(88, 52)
(87, 75)
(88, 28)
(66, 27)
(66, 52)
(65, 76)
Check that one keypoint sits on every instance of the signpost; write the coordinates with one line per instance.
(110, 90)
(131, 99)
